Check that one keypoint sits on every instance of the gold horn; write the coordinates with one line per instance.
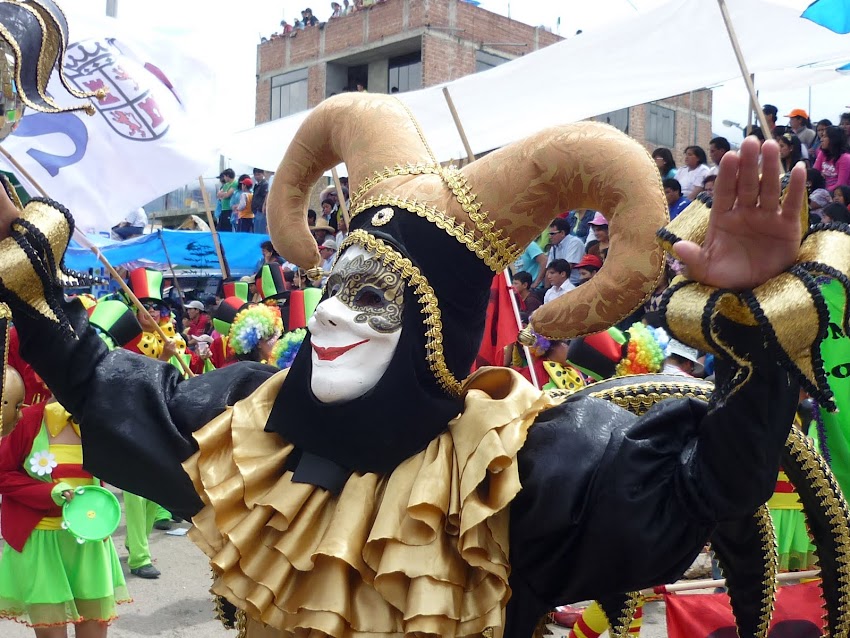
(366, 131)
(583, 165)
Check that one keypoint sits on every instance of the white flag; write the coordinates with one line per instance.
(152, 133)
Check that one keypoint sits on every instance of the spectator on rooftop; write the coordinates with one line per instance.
(666, 164)
(790, 151)
(134, 224)
(833, 161)
(336, 10)
(717, 148)
(693, 173)
(308, 18)
(676, 202)
(800, 124)
(285, 28)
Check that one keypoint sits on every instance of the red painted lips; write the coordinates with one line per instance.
(329, 354)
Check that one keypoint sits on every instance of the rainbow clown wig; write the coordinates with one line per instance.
(252, 326)
(644, 352)
(284, 351)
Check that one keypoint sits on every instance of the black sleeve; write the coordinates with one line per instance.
(136, 414)
(613, 503)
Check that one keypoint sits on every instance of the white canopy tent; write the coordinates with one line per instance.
(679, 47)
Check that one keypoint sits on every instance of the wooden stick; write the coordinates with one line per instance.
(23, 172)
(171, 268)
(711, 584)
(225, 273)
(83, 240)
(471, 157)
(341, 198)
(460, 130)
(765, 127)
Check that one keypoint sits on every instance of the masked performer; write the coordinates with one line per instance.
(369, 489)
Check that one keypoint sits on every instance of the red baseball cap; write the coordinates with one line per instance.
(590, 261)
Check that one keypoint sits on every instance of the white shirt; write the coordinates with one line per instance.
(570, 249)
(690, 179)
(138, 218)
(556, 291)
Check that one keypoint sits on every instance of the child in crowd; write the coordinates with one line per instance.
(41, 463)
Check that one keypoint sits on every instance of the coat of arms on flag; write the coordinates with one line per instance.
(129, 108)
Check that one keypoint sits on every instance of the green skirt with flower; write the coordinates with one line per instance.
(56, 580)
(794, 545)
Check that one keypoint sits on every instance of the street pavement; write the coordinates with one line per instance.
(178, 604)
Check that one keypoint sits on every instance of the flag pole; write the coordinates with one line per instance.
(225, 273)
(471, 157)
(84, 241)
(721, 582)
(528, 357)
(754, 100)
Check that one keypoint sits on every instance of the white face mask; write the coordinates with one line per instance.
(354, 333)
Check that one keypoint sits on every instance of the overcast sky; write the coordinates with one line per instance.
(227, 34)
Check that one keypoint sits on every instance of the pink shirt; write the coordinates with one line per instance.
(835, 173)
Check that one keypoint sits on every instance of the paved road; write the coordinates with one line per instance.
(178, 604)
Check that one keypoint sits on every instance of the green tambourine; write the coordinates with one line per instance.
(92, 515)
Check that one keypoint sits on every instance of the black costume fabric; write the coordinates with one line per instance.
(407, 408)
(610, 502)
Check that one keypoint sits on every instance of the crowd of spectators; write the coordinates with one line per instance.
(308, 20)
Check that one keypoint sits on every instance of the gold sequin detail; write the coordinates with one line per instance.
(493, 247)
(637, 398)
(427, 299)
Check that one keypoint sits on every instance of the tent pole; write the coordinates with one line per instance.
(754, 101)
(470, 155)
(84, 241)
(213, 231)
(340, 197)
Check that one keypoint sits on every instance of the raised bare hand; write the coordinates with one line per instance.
(751, 238)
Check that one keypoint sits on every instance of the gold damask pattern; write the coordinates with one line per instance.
(393, 259)
(492, 247)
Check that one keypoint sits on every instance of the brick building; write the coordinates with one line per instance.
(410, 44)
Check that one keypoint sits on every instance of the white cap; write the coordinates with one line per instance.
(197, 305)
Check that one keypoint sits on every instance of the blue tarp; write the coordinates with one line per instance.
(832, 14)
(187, 249)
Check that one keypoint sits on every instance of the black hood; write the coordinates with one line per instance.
(407, 408)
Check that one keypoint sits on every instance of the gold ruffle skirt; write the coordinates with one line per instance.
(422, 551)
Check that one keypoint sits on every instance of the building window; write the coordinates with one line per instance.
(619, 119)
(289, 93)
(484, 61)
(405, 73)
(660, 125)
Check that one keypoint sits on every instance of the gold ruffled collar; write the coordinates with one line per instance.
(423, 550)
